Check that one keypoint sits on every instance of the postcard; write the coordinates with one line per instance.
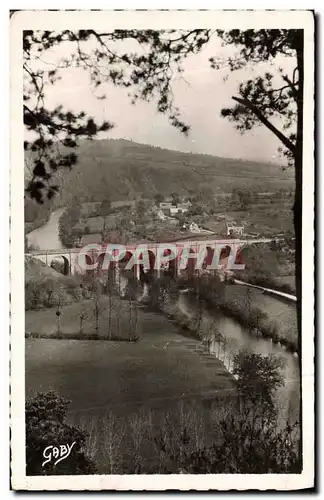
(162, 250)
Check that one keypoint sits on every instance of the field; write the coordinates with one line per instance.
(265, 219)
(98, 376)
(274, 220)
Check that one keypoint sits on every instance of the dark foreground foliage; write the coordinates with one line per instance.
(46, 426)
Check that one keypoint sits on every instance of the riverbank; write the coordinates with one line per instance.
(261, 314)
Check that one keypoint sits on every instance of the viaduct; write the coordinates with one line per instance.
(95, 255)
(204, 249)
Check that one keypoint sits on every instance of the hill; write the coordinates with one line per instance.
(123, 169)
(37, 271)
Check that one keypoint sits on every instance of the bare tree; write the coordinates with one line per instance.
(109, 288)
(139, 425)
(199, 306)
(58, 322)
(83, 315)
(132, 288)
(180, 434)
(92, 442)
(118, 308)
(113, 435)
(60, 303)
(97, 306)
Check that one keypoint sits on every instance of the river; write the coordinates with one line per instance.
(238, 337)
(46, 237)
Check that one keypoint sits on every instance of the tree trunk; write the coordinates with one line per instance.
(135, 318)
(110, 315)
(130, 319)
(297, 209)
(97, 318)
(58, 323)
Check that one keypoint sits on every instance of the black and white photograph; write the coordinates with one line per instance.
(162, 250)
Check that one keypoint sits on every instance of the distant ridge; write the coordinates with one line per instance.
(121, 169)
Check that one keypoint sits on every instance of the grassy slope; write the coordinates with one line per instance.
(36, 270)
(287, 280)
(123, 169)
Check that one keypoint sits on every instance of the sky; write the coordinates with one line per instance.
(200, 95)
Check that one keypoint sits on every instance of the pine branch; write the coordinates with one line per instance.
(248, 104)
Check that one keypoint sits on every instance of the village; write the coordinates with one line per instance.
(146, 221)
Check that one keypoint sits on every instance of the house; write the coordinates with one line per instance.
(165, 205)
(175, 209)
(183, 207)
(233, 229)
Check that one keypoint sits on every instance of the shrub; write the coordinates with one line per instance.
(46, 426)
(47, 293)
(258, 377)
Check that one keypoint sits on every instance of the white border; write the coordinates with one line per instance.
(156, 20)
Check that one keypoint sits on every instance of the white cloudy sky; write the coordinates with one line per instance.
(200, 95)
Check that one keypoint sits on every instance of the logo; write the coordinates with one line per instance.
(57, 453)
(219, 254)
